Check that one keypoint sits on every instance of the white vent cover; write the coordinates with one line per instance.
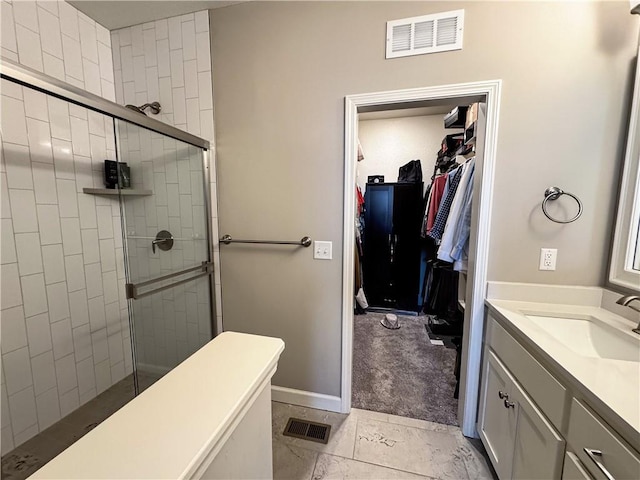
(439, 32)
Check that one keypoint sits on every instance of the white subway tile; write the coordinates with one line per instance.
(86, 375)
(118, 371)
(61, 338)
(74, 81)
(177, 69)
(28, 249)
(54, 268)
(39, 334)
(137, 41)
(49, 221)
(17, 370)
(88, 40)
(103, 35)
(59, 119)
(4, 406)
(90, 246)
(63, 159)
(205, 92)
(166, 95)
(49, 6)
(188, 40)
(179, 106)
(44, 182)
(78, 307)
(35, 104)
(7, 242)
(82, 342)
(53, 66)
(6, 441)
(9, 88)
(162, 29)
(48, 408)
(108, 91)
(69, 20)
(115, 50)
(23, 210)
(153, 92)
(190, 79)
(105, 224)
(203, 52)
(96, 123)
(93, 277)
(100, 346)
(18, 166)
(69, 401)
(103, 376)
(72, 57)
(10, 286)
(139, 74)
(50, 35)
(116, 351)
(8, 38)
(83, 172)
(13, 330)
(98, 151)
(14, 125)
(149, 40)
(91, 71)
(39, 141)
(58, 306)
(26, 14)
(202, 21)
(105, 62)
(107, 255)
(206, 125)
(23, 412)
(193, 116)
(126, 58)
(66, 373)
(112, 313)
(71, 240)
(44, 372)
(164, 58)
(78, 111)
(80, 137)
(67, 198)
(175, 32)
(34, 294)
(124, 35)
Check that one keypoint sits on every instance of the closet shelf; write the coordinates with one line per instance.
(134, 192)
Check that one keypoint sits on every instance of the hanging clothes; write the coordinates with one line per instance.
(453, 179)
(437, 190)
(455, 226)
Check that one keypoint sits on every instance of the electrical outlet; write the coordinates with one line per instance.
(548, 258)
(322, 250)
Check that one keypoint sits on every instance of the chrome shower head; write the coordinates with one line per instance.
(154, 106)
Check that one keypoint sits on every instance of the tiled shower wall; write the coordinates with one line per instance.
(169, 61)
(171, 325)
(65, 334)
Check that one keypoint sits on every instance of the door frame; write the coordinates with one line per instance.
(474, 311)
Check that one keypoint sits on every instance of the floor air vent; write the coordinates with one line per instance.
(316, 432)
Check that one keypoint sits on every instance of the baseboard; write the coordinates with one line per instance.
(149, 368)
(306, 399)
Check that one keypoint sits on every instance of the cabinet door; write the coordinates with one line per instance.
(573, 469)
(538, 449)
(494, 426)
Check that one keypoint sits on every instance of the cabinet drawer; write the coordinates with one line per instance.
(586, 431)
(573, 469)
(548, 394)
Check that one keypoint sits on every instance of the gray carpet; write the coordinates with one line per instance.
(401, 372)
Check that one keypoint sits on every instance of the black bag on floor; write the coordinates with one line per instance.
(410, 173)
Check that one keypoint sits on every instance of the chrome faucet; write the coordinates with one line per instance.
(625, 301)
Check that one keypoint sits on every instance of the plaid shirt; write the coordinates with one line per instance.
(445, 205)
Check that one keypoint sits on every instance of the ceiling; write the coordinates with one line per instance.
(114, 14)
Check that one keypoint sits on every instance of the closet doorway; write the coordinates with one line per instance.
(392, 264)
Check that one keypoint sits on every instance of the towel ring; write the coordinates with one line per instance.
(554, 193)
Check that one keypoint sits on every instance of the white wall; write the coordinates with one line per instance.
(65, 333)
(389, 143)
(169, 61)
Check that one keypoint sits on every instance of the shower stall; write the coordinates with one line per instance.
(98, 284)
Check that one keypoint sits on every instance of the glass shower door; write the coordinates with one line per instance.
(167, 255)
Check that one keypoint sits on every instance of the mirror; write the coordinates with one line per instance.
(625, 254)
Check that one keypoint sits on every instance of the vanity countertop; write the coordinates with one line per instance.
(611, 386)
(167, 430)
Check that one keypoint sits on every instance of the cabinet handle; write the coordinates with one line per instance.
(502, 395)
(595, 456)
(508, 404)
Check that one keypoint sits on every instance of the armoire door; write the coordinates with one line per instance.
(377, 245)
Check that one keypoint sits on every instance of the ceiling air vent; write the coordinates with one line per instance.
(439, 32)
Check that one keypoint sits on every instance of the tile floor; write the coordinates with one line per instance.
(362, 445)
(33, 454)
(371, 445)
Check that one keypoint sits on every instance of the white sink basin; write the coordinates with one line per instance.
(589, 337)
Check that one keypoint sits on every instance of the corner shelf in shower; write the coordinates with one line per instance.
(134, 192)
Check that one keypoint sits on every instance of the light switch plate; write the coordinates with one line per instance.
(322, 250)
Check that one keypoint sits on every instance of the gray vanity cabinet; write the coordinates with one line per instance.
(519, 439)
